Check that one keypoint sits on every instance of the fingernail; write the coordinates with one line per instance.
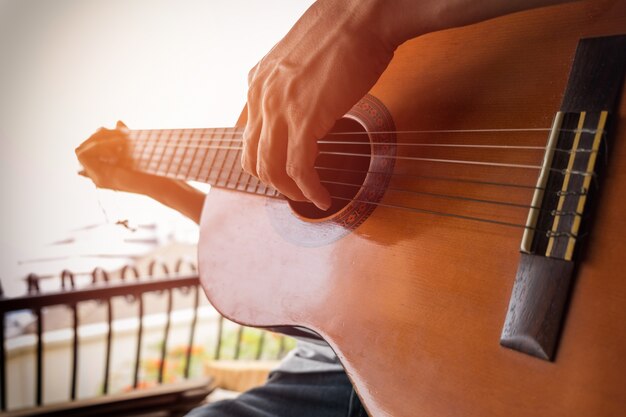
(325, 205)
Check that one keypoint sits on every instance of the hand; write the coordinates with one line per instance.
(327, 62)
(100, 156)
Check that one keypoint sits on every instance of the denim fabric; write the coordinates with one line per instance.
(324, 394)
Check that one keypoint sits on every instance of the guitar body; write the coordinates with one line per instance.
(414, 303)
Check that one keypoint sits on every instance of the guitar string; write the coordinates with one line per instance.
(431, 160)
(424, 211)
(204, 145)
(413, 158)
(415, 192)
(433, 178)
(446, 214)
(445, 196)
(129, 160)
(238, 132)
(394, 206)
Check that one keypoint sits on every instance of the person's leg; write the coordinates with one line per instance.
(327, 394)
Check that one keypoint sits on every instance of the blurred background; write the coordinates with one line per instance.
(68, 67)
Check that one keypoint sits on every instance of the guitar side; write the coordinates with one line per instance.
(413, 304)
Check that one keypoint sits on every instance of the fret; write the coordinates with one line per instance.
(137, 146)
(257, 187)
(270, 191)
(188, 156)
(150, 152)
(218, 171)
(199, 159)
(171, 149)
(179, 154)
(166, 152)
(174, 153)
(241, 173)
(248, 180)
(232, 165)
(214, 155)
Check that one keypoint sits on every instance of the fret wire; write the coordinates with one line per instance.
(248, 179)
(163, 138)
(232, 166)
(139, 149)
(193, 156)
(152, 151)
(199, 163)
(156, 154)
(225, 171)
(221, 168)
(241, 171)
(177, 158)
(213, 155)
(181, 157)
(173, 139)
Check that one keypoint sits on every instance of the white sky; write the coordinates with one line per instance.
(70, 66)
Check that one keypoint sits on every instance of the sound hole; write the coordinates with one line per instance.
(342, 165)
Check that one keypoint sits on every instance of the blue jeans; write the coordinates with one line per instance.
(324, 394)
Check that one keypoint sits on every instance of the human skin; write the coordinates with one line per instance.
(97, 156)
(331, 58)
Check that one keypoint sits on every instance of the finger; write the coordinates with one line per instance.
(300, 167)
(252, 73)
(271, 160)
(251, 135)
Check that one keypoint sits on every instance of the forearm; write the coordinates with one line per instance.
(178, 196)
(412, 18)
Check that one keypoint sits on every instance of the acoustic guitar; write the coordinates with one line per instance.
(473, 262)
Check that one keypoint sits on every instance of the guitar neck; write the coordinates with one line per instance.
(211, 156)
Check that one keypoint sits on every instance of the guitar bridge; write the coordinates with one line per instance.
(563, 195)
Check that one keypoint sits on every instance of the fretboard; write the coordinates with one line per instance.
(211, 156)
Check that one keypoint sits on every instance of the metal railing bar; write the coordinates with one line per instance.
(192, 332)
(238, 343)
(165, 335)
(39, 367)
(107, 359)
(131, 268)
(3, 385)
(152, 266)
(139, 340)
(33, 284)
(220, 331)
(35, 301)
(260, 346)
(74, 351)
(281, 348)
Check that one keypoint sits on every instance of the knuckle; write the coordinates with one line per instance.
(262, 173)
(295, 171)
(271, 101)
(252, 73)
(253, 93)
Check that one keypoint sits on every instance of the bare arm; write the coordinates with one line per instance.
(110, 143)
(329, 60)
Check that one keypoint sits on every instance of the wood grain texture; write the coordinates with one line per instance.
(413, 304)
(537, 305)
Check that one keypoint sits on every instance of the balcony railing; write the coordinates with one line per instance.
(133, 288)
